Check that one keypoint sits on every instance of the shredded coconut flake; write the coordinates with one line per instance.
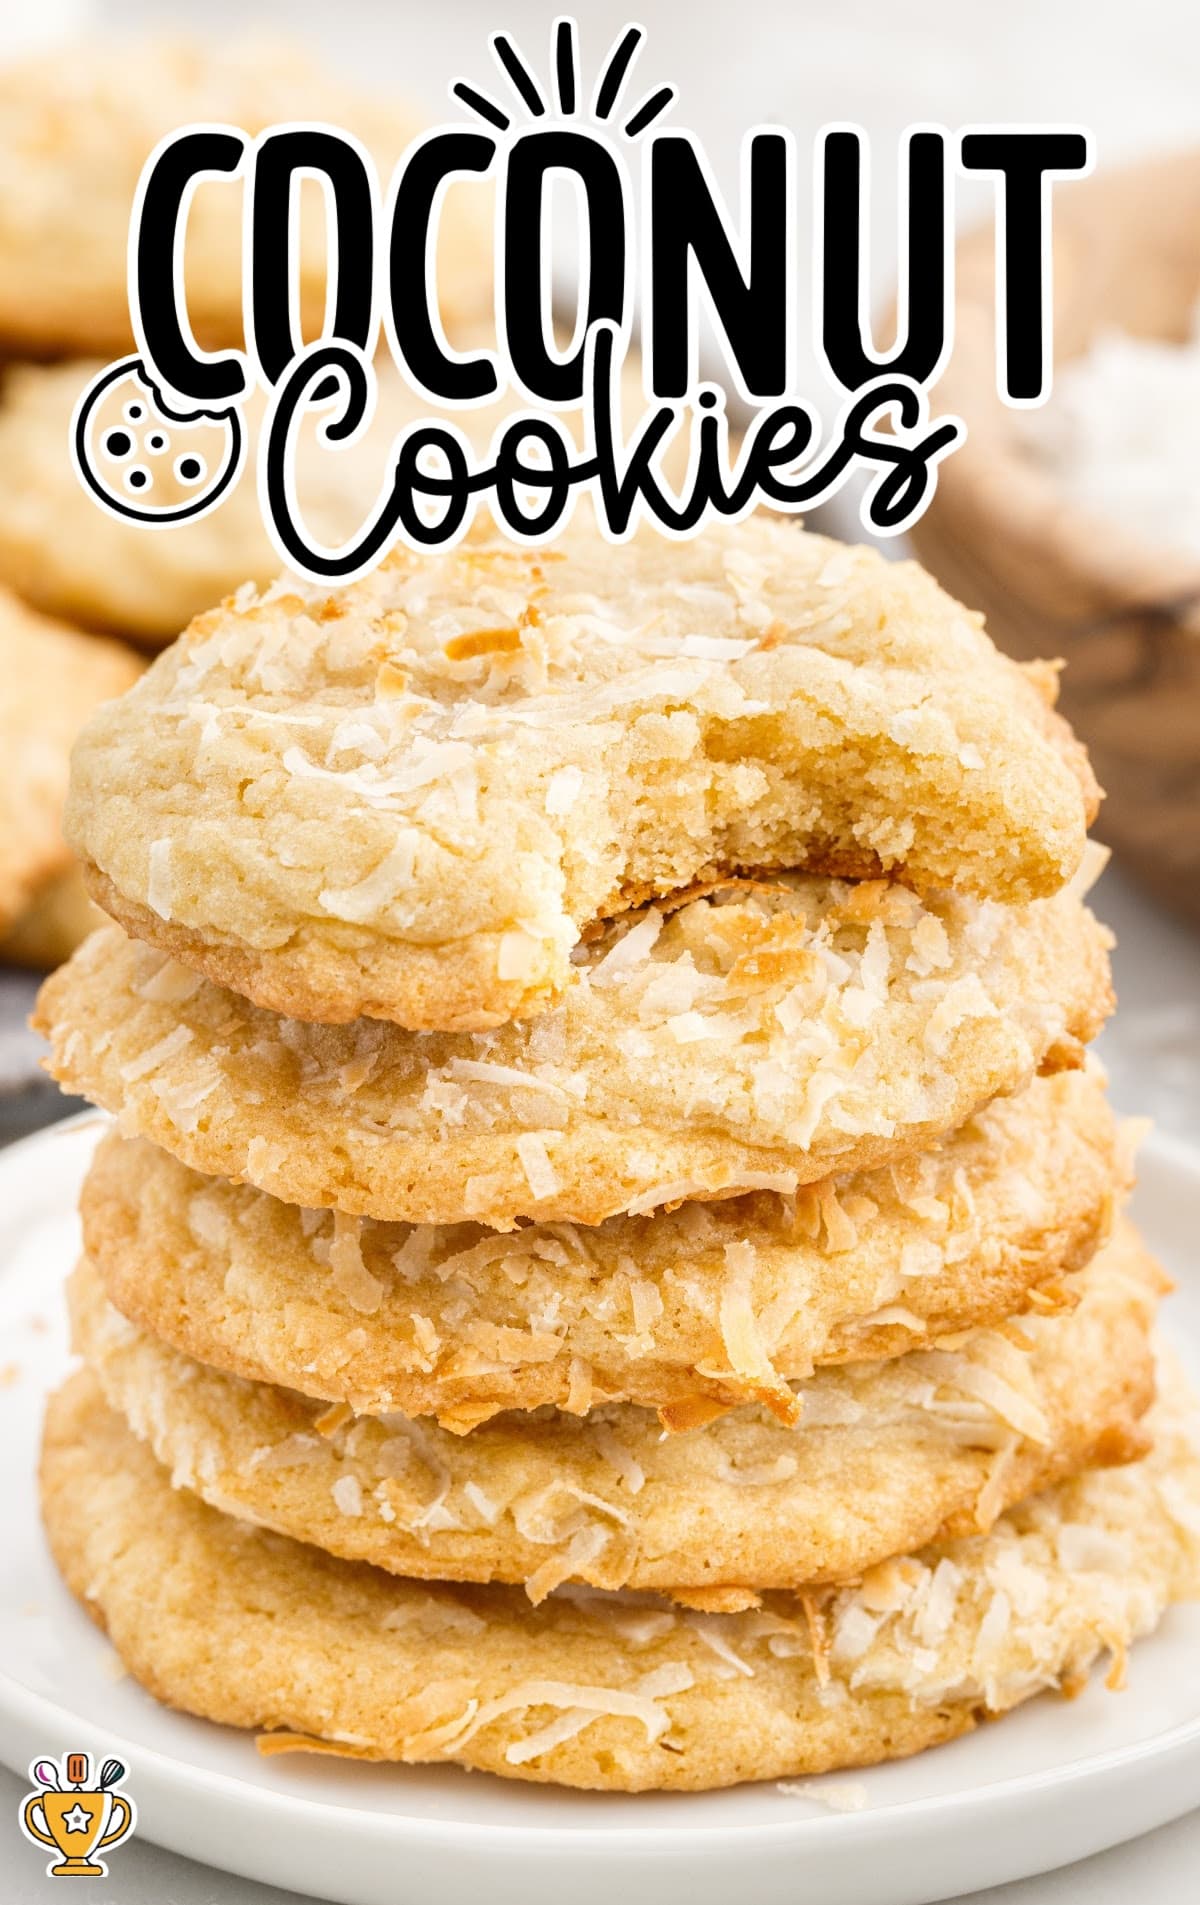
(349, 1274)
(347, 1493)
(157, 1054)
(159, 882)
(553, 1734)
(638, 1704)
(708, 1628)
(487, 1510)
(614, 1452)
(563, 790)
(482, 1071)
(630, 951)
(368, 897)
(583, 1548)
(535, 1162)
(517, 956)
(172, 984)
(839, 1795)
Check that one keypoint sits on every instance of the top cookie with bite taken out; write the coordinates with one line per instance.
(411, 798)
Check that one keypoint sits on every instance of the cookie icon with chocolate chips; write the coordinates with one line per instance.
(143, 459)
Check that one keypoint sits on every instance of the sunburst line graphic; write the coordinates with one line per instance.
(566, 66)
(480, 105)
(515, 70)
(650, 109)
(509, 60)
(617, 66)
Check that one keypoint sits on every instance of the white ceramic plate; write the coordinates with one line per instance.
(1052, 1783)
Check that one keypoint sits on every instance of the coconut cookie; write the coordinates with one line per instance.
(750, 1040)
(685, 1311)
(69, 558)
(409, 799)
(592, 1690)
(78, 123)
(59, 917)
(51, 679)
(886, 1456)
(62, 553)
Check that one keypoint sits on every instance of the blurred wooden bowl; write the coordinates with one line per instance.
(1054, 579)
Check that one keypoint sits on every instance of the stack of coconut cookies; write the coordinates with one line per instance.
(610, 1265)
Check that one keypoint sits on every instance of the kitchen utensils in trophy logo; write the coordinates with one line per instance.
(75, 1818)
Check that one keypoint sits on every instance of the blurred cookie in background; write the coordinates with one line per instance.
(50, 928)
(69, 557)
(51, 678)
(77, 124)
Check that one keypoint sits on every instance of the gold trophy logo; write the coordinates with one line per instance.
(75, 1819)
